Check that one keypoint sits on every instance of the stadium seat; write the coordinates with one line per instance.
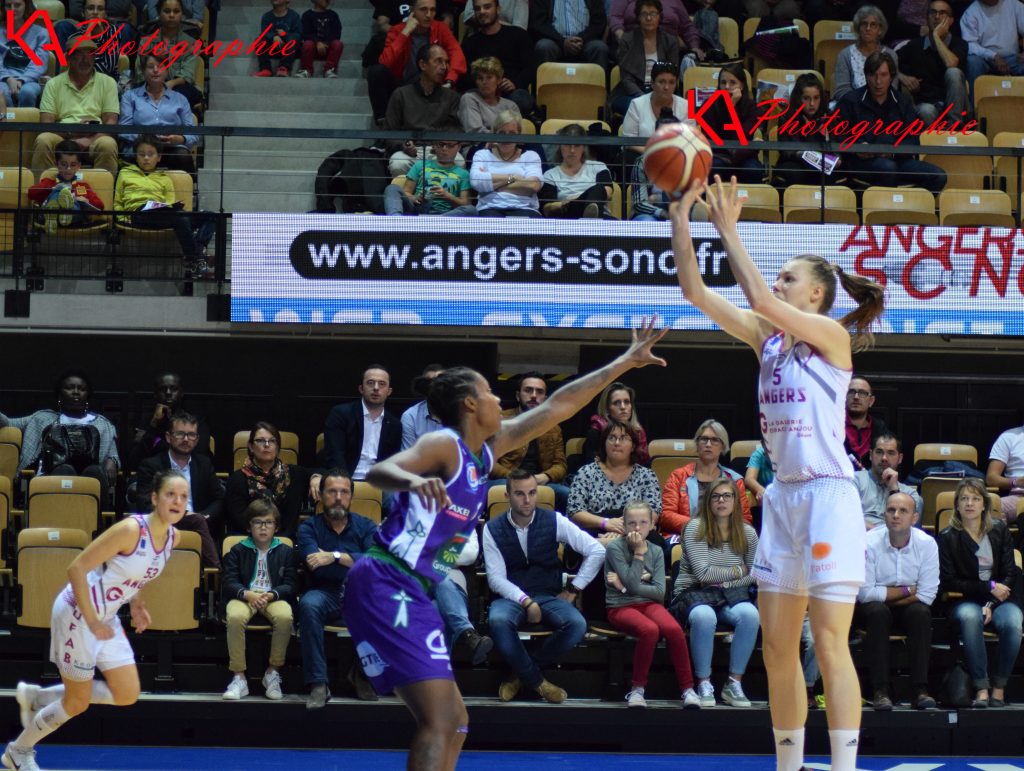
(102, 183)
(754, 64)
(368, 508)
(319, 442)
(64, 502)
(497, 499)
(16, 146)
(366, 491)
(5, 524)
(575, 91)
(527, 127)
(43, 558)
(575, 445)
(1008, 168)
(803, 203)
(941, 452)
(761, 204)
(666, 464)
(14, 185)
(10, 451)
(899, 206)
(173, 598)
(228, 545)
(743, 449)
(676, 448)
(553, 125)
(706, 77)
(53, 8)
(289, 448)
(614, 77)
(999, 113)
(997, 85)
(968, 172)
(931, 488)
(825, 54)
(975, 207)
(729, 34)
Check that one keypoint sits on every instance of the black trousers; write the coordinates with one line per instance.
(879, 621)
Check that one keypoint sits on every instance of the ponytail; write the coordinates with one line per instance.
(870, 299)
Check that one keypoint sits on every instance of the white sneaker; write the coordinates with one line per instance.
(301, 74)
(690, 699)
(19, 760)
(26, 696)
(732, 694)
(635, 698)
(330, 74)
(237, 689)
(272, 685)
(706, 691)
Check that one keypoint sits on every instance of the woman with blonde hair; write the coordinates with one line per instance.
(617, 403)
(507, 177)
(480, 107)
(976, 561)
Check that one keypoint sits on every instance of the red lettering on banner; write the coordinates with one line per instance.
(982, 264)
(913, 262)
(697, 114)
(865, 236)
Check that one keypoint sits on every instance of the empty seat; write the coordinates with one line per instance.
(804, 203)
(975, 208)
(761, 203)
(173, 598)
(962, 171)
(64, 502)
(899, 206)
(44, 555)
(942, 451)
(672, 447)
(575, 91)
(10, 451)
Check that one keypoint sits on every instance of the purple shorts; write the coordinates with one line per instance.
(397, 631)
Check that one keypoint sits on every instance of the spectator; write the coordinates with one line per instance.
(433, 186)
(321, 40)
(71, 440)
(741, 162)
(976, 560)
(511, 46)
(862, 428)
(1006, 470)
(760, 473)
(66, 191)
(285, 28)
(600, 489)
(151, 435)
(807, 105)
(992, 30)
(515, 13)
(328, 545)
(544, 457)
(713, 588)
(265, 475)
(778, 9)
(616, 403)
(417, 420)
(148, 197)
(452, 601)
(644, 112)
(19, 75)
(425, 104)
(650, 204)
(878, 483)
(399, 61)
(205, 491)
(117, 11)
(258, 577)
(578, 186)
(569, 32)
(626, 16)
(362, 432)
(635, 591)
(78, 95)
(191, 15)
(506, 177)
(151, 105)
(686, 487)
(639, 52)
(479, 108)
(181, 73)
(900, 583)
(525, 572)
(933, 66)
(117, 28)
(871, 27)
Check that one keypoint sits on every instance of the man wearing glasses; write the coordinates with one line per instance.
(862, 429)
(933, 66)
(205, 491)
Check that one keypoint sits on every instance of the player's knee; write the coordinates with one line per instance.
(75, 704)
(124, 697)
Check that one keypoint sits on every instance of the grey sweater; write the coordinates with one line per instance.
(619, 559)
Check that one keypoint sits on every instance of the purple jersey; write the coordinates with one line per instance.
(430, 542)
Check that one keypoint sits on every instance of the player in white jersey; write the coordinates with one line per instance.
(85, 630)
(811, 552)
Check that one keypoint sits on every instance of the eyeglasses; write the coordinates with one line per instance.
(265, 442)
(716, 497)
(648, 15)
(190, 435)
(262, 522)
(870, 23)
(936, 12)
(620, 438)
(708, 440)
(860, 393)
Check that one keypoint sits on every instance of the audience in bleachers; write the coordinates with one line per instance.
(713, 588)
(760, 472)
(507, 177)
(321, 40)
(513, 12)
(481, 106)
(626, 16)
(976, 562)
(742, 162)
(435, 185)
(258, 577)
(511, 46)
(285, 27)
(116, 10)
(191, 17)
(19, 75)
(65, 191)
(992, 30)
(661, 103)
(417, 420)
(882, 480)
(650, 203)
(569, 31)
(150, 436)
(578, 186)
(807, 105)
(639, 52)
(106, 62)
(617, 403)
(361, 432)
(1005, 470)
(153, 104)
(933, 66)
(870, 26)
(181, 73)
(862, 428)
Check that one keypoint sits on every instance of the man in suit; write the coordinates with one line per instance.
(205, 491)
(360, 433)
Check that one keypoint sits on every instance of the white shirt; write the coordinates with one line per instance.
(916, 563)
(640, 120)
(371, 441)
(992, 30)
(486, 163)
(261, 580)
(186, 472)
(1009, 448)
(566, 532)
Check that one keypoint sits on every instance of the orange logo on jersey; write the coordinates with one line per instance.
(820, 550)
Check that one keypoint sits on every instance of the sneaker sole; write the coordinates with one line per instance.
(274, 696)
(636, 705)
(736, 702)
(691, 706)
(707, 703)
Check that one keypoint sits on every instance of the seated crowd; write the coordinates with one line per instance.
(644, 559)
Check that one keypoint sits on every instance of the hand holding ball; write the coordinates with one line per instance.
(675, 157)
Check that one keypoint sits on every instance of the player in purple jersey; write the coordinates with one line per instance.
(85, 630)
(442, 487)
(814, 557)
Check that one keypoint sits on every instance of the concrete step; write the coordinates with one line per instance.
(278, 202)
(244, 27)
(253, 152)
(316, 101)
(309, 120)
(267, 182)
(272, 88)
(247, 65)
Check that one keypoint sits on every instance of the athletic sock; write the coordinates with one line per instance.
(844, 749)
(101, 693)
(789, 749)
(46, 721)
(49, 695)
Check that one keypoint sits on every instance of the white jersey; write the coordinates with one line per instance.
(114, 583)
(802, 411)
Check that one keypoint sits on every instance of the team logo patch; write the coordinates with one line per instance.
(371, 662)
(473, 477)
(402, 614)
(821, 550)
(435, 643)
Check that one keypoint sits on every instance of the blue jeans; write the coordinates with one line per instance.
(28, 94)
(317, 608)
(397, 202)
(557, 615)
(453, 605)
(977, 66)
(703, 621)
(1006, 621)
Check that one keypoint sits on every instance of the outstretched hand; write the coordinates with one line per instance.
(644, 339)
(724, 203)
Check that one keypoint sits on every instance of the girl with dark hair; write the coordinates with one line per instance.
(742, 161)
(811, 552)
(807, 104)
(441, 486)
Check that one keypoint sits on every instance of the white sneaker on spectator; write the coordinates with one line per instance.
(635, 698)
(20, 760)
(272, 685)
(330, 73)
(690, 699)
(732, 694)
(301, 73)
(706, 691)
(26, 696)
(237, 689)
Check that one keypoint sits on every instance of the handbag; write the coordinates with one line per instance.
(956, 687)
(74, 445)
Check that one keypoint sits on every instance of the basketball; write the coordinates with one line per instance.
(675, 156)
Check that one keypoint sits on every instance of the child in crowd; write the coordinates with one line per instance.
(258, 577)
(67, 191)
(285, 27)
(321, 39)
(433, 186)
(148, 195)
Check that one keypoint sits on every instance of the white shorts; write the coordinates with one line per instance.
(75, 649)
(812, 539)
